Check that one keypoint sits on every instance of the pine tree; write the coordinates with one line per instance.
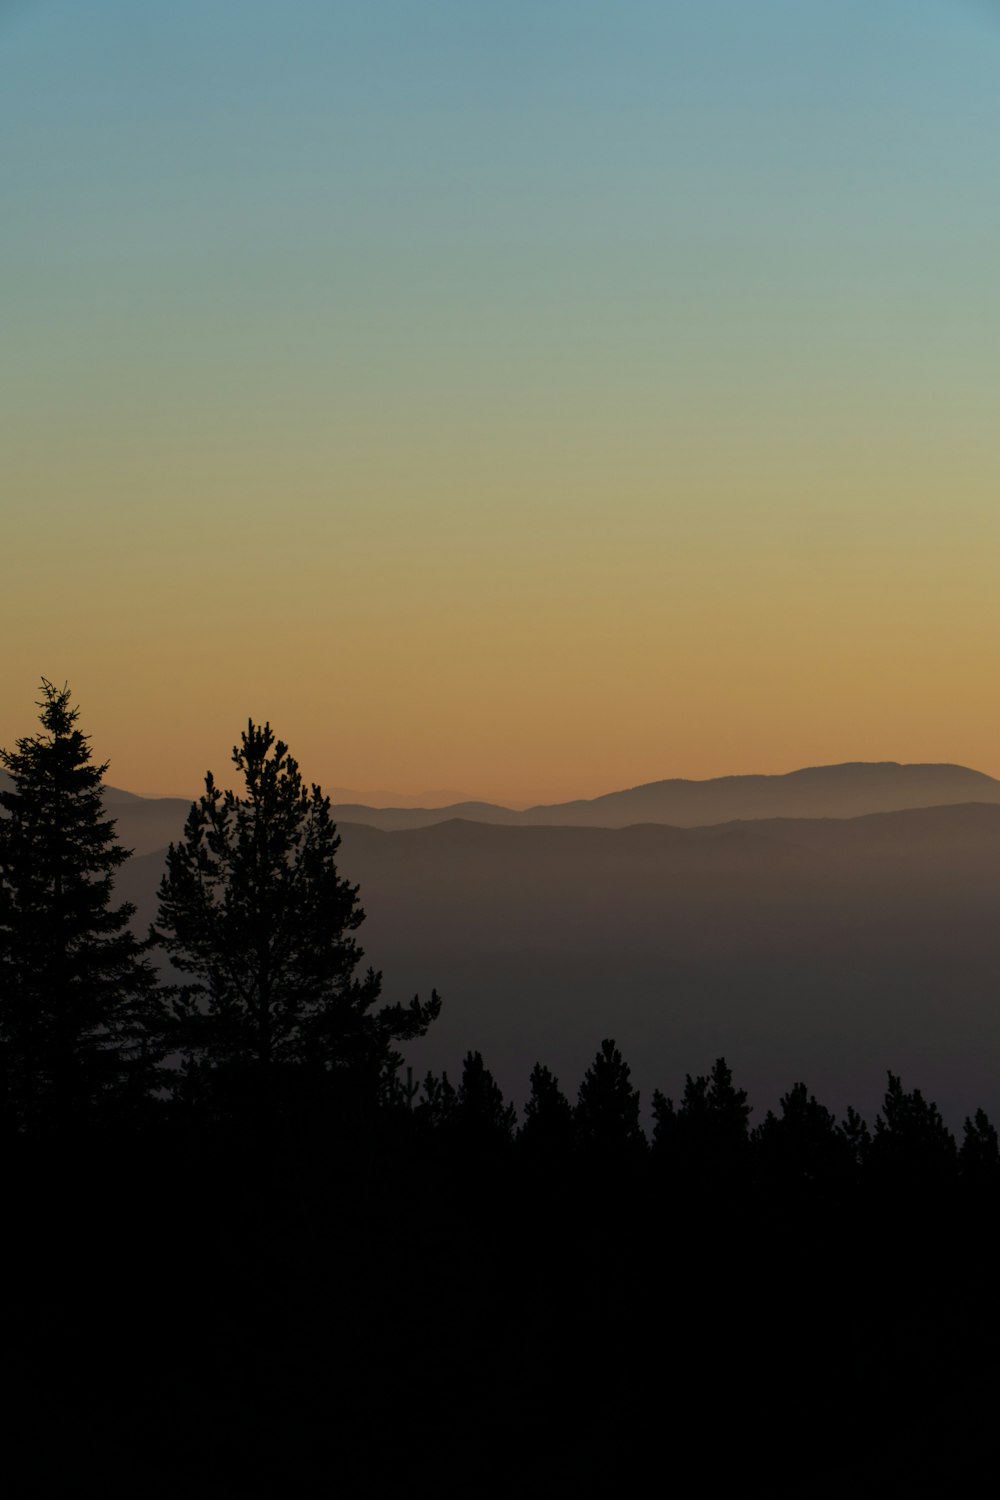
(547, 1133)
(78, 1006)
(979, 1154)
(665, 1127)
(706, 1137)
(912, 1145)
(483, 1121)
(857, 1138)
(607, 1109)
(802, 1147)
(253, 908)
(435, 1108)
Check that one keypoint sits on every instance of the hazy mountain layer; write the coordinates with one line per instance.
(143, 824)
(827, 950)
(847, 791)
(828, 947)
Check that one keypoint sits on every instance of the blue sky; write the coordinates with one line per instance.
(584, 303)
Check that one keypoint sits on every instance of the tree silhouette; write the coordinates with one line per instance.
(253, 908)
(853, 1131)
(707, 1136)
(78, 1004)
(979, 1154)
(802, 1147)
(483, 1121)
(912, 1145)
(435, 1108)
(607, 1109)
(547, 1132)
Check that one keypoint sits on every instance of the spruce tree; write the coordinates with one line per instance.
(78, 1004)
(255, 911)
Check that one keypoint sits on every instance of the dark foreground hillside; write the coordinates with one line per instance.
(365, 1318)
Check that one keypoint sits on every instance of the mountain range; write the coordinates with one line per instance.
(843, 791)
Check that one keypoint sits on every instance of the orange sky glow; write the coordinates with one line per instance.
(526, 410)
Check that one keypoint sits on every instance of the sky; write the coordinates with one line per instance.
(527, 400)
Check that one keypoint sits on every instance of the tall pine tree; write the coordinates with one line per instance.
(78, 1004)
(255, 911)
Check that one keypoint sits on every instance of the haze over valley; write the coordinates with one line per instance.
(830, 947)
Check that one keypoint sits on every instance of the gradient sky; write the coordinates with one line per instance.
(529, 399)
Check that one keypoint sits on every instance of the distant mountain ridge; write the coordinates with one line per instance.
(850, 790)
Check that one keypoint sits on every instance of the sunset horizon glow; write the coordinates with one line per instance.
(530, 401)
